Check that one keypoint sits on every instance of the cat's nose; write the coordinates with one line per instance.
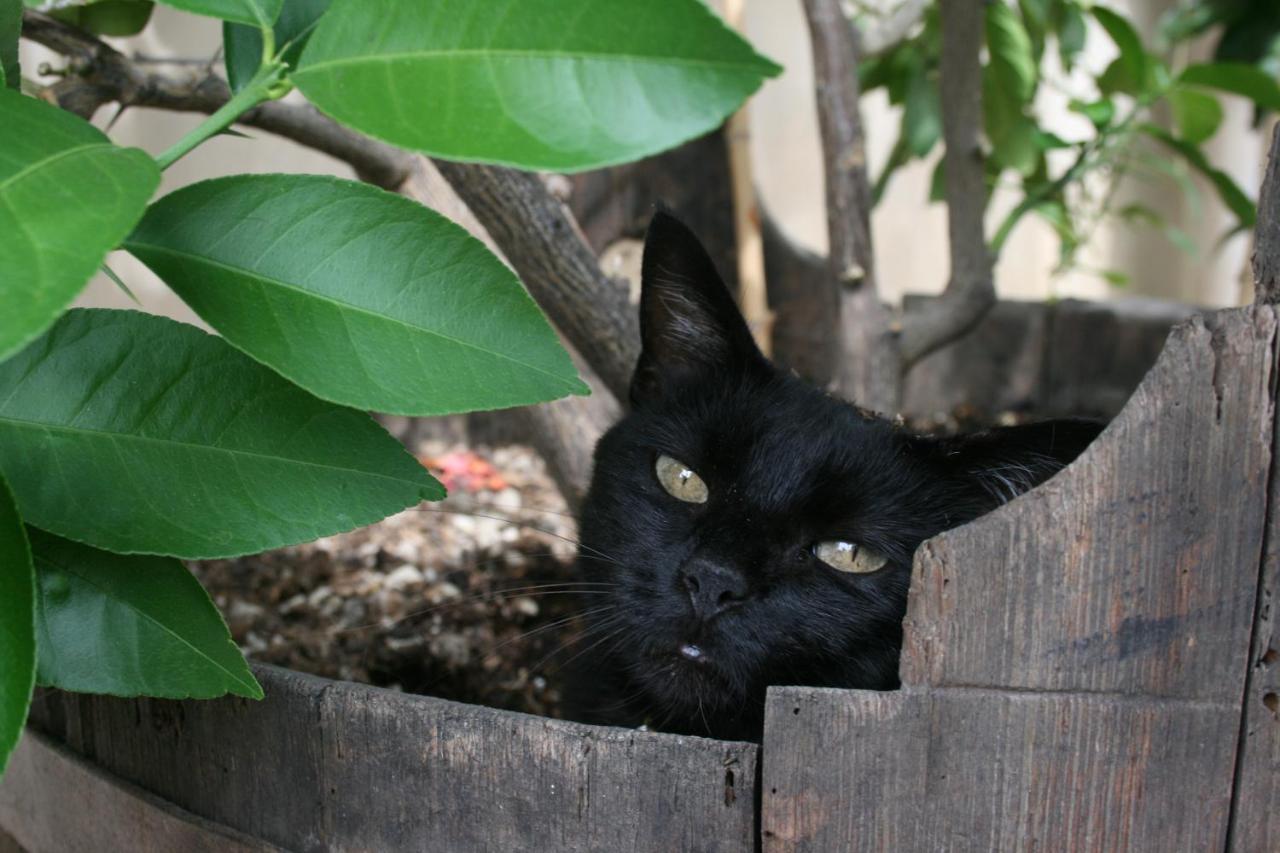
(712, 589)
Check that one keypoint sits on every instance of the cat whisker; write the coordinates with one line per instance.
(520, 523)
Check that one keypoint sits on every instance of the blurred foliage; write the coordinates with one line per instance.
(1149, 111)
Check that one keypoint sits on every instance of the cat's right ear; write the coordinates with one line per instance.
(690, 327)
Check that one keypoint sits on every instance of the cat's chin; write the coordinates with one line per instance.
(688, 680)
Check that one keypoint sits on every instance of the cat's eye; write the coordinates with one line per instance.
(680, 481)
(848, 557)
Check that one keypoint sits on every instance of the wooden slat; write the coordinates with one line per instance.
(956, 769)
(1075, 661)
(323, 765)
(1135, 569)
(53, 802)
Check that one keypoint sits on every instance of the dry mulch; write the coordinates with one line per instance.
(433, 600)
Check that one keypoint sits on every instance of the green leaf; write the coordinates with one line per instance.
(1238, 79)
(1128, 73)
(1012, 58)
(1196, 113)
(10, 30)
(1072, 34)
(67, 197)
(540, 84)
(922, 117)
(242, 45)
(1099, 112)
(257, 13)
(107, 17)
(1231, 194)
(130, 626)
(137, 434)
(17, 625)
(361, 296)
(1013, 135)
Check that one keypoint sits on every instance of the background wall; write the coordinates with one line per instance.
(909, 233)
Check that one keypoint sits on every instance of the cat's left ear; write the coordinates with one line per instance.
(690, 326)
(997, 465)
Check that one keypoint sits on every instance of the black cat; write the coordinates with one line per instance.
(753, 529)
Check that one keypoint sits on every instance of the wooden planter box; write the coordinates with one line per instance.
(1088, 668)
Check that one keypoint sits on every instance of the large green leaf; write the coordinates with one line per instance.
(130, 626)
(922, 115)
(542, 84)
(1238, 79)
(361, 296)
(10, 30)
(141, 435)
(67, 197)
(242, 45)
(17, 625)
(253, 12)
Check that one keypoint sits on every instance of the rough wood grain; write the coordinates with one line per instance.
(1266, 233)
(1255, 819)
(1075, 661)
(323, 765)
(53, 802)
(982, 770)
(1134, 570)
(1062, 359)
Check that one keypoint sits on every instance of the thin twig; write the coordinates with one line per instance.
(101, 75)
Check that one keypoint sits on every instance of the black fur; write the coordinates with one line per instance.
(787, 466)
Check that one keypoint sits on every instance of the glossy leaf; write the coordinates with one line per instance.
(1012, 58)
(67, 197)
(253, 12)
(361, 296)
(1196, 113)
(137, 434)
(1238, 79)
(242, 45)
(10, 30)
(541, 84)
(130, 626)
(1072, 34)
(17, 625)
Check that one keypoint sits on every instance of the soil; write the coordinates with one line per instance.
(434, 600)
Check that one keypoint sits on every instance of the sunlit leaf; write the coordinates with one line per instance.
(130, 626)
(1012, 58)
(137, 434)
(542, 84)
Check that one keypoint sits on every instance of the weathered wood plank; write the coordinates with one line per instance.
(1255, 819)
(957, 769)
(323, 765)
(1135, 569)
(53, 802)
(1065, 358)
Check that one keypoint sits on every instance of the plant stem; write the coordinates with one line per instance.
(266, 85)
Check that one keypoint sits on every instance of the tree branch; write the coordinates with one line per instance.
(541, 239)
(1266, 233)
(971, 291)
(101, 75)
(867, 368)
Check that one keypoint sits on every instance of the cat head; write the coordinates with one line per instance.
(757, 530)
